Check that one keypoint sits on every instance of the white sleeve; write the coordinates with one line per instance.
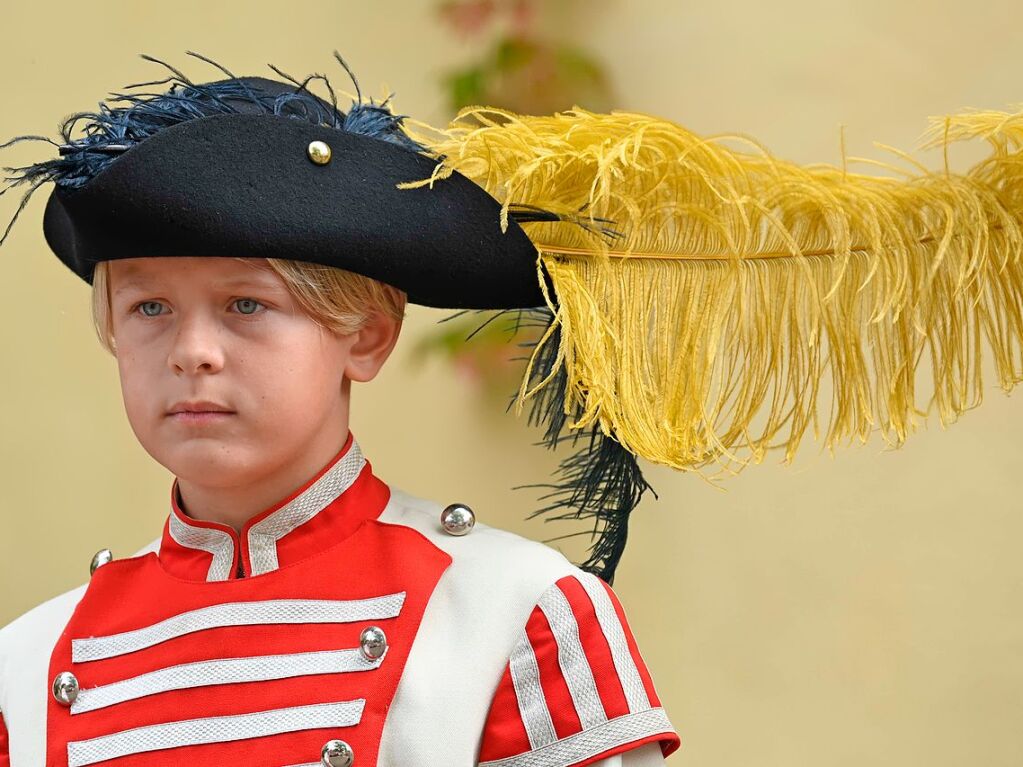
(575, 690)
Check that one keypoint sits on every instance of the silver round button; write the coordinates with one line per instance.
(373, 642)
(337, 753)
(457, 519)
(100, 558)
(65, 688)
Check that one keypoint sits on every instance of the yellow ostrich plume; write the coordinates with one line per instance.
(742, 284)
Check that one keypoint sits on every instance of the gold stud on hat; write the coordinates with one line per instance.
(319, 152)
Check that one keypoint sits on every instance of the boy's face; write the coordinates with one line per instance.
(227, 332)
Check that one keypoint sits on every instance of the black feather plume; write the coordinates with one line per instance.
(600, 479)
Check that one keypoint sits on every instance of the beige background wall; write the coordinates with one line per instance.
(861, 609)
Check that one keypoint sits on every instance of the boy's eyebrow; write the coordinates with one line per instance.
(131, 282)
(249, 280)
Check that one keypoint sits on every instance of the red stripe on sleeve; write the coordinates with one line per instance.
(5, 746)
(555, 688)
(644, 673)
(598, 652)
(504, 734)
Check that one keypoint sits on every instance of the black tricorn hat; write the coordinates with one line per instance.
(249, 166)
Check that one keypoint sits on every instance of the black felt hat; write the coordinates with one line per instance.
(249, 166)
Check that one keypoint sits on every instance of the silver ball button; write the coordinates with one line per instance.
(372, 642)
(337, 753)
(100, 558)
(65, 688)
(457, 519)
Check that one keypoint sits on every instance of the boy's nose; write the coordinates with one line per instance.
(196, 348)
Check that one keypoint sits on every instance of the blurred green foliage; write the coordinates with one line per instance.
(521, 69)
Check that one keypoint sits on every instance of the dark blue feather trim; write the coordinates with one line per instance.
(127, 119)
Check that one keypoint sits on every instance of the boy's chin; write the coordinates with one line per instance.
(212, 462)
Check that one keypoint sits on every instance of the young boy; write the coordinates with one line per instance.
(249, 259)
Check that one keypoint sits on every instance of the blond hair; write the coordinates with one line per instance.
(339, 300)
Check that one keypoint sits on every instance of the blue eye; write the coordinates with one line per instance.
(145, 311)
(247, 305)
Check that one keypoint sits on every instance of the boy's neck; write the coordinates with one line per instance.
(234, 506)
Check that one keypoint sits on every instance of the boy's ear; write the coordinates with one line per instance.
(373, 344)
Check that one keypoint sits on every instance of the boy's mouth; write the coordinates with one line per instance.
(200, 417)
(198, 410)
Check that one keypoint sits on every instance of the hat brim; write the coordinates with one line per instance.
(244, 185)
